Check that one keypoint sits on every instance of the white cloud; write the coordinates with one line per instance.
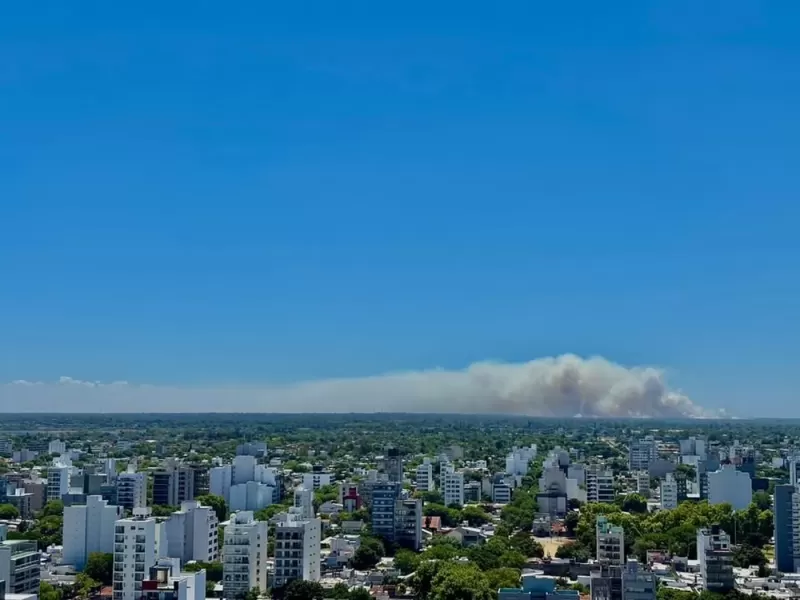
(558, 386)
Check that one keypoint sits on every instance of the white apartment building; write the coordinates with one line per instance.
(693, 447)
(669, 492)
(297, 550)
(220, 480)
(501, 493)
(244, 555)
(57, 447)
(19, 566)
(304, 502)
(244, 484)
(89, 528)
(794, 469)
(454, 489)
(250, 496)
(316, 480)
(57, 481)
(424, 478)
(166, 582)
(132, 490)
(445, 467)
(192, 533)
(518, 460)
(138, 543)
(599, 485)
(727, 485)
(610, 542)
(643, 483)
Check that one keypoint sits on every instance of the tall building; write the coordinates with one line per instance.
(610, 542)
(425, 477)
(250, 496)
(382, 508)
(297, 550)
(244, 555)
(349, 497)
(304, 502)
(89, 528)
(19, 566)
(606, 584)
(246, 485)
(643, 483)
(57, 447)
(57, 481)
(787, 528)
(132, 490)
(192, 533)
(641, 453)
(794, 469)
(173, 484)
(257, 449)
(317, 479)
(599, 485)
(669, 492)
(201, 480)
(727, 485)
(716, 559)
(454, 489)
(694, 446)
(138, 543)
(519, 459)
(393, 465)
(408, 523)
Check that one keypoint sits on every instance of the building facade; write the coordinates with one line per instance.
(297, 550)
(132, 490)
(610, 542)
(716, 559)
(192, 533)
(787, 528)
(89, 528)
(19, 566)
(138, 543)
(244, 555)
(728, 485)
(453, 489)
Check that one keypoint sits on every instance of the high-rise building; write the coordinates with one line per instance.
(256, 449)
(138, 543)
(57, 447)
(192, 533)
(716, 559)
(19, 566)
(727, 485)
(317, 479)
(472, 492)
(425, 477)
(297, 550)
(173, 485)
(637, 583)
(384, 495)
(794, 469)
(251, 496)
(408, 523)
(787, 528)
(694, 446)
(349, 497)
(610, 542)
(244, 555)
(599, 485)
(393, 465)
(201, 480)
(89, 528)
(641, 453)
(454, 489)
(132, 490)
(519, 459)
(669, 492)
(57, 481)
(304, 502)
(643, 483)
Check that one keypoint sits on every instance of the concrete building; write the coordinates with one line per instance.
(519, 459)
(251, 496)
(192, 533)
(472, 492)
(24, 455)
(453, 489)
(304, 502)
(599, 485)
(256, 449)
(641, 453)
(22, 501)
(501, 492)
(57, 481)
(669, 492)
(317, 479)
(19, 566)
(297, 550)
(793, 462)
(393, 465)
(384, 495)
(166, 582)
(787, 528)
(138, 543)
(38, 492)
(694, 446)
(408, 523)
(132, 490)
(349, 497)
(424, 477)
(606, 584)
(643, 483)
(57, 447)
(244, 555)
(637, 583)
(173, 485)
(89, 528)
(552, 496)
(716, 559)
(727, 485)
(610, 542)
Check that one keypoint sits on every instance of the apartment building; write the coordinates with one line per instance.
(728, 485)
(173, 485)
(244, 555)
(304, 502)
(297, 550)
(424, 477)
(610, 542)
(599, 485)
(139, 542)
(641, 453)
(716, 559)
(58, 481)
(89, 528)
(166, 582)
(192, 533)
(131, 490)
(19, 566)
(787, 528)
(669, 492)
(453, 484)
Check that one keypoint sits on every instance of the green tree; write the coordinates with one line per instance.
(300, 589)
(747, 556)
(368, 554)
(634, 503)
(503, 577)
(474, 515)
(162, 511)
(406, 561)
(100, 567)
(49, 592)
(8, 511)
(252, 594)
(85, 586)
(360, 593)
(213, 569)
(525, 544)
(762, 500)
(574, 551)
(432, 497)
(265, 514)
(512, 559)
(460, 581)
(422, 581)
(340, 591)
(217, 503)
(450, 517)
(571, 521)
(54, 508)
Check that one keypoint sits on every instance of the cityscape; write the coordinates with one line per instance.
(239, 507)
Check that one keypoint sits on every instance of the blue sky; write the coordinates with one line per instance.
(200, 194)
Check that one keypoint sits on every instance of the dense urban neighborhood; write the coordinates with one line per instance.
(240, 507)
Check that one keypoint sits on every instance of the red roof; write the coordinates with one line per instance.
(434, 523)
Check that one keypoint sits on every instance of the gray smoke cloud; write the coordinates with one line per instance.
(562, 386)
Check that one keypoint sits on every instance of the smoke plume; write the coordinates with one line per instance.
(562, 386)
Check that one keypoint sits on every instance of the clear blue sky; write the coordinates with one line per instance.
(204, 193)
